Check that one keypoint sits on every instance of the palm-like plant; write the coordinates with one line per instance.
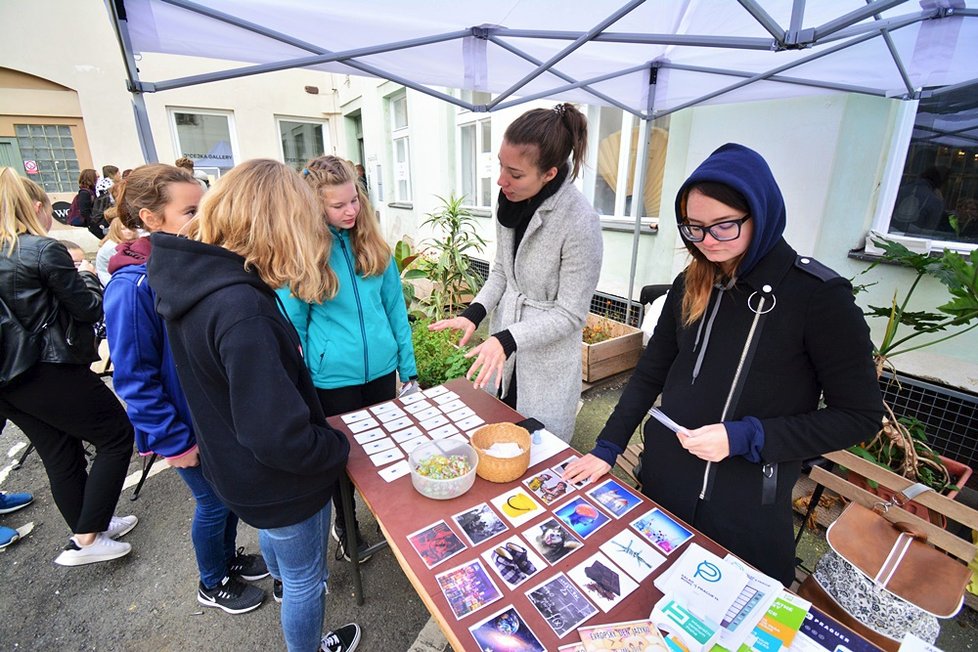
(448, 263)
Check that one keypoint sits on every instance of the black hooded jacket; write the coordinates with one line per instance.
(264, 443)
(814, 342)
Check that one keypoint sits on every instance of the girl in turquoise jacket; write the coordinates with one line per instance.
(355, 342)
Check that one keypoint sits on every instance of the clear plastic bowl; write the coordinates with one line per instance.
(442, 489)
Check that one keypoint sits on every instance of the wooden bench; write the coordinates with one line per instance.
(629, 461)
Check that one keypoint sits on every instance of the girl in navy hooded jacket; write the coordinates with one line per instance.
(729, 472)
(164, 198)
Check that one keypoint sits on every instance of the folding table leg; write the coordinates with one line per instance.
(147, 465)
(346, 497)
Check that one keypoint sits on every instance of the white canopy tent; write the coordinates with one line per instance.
(647, 57)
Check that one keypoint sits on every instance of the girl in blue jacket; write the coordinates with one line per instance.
(164, 198)
(356, 341)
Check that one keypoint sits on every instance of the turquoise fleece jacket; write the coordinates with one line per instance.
(360, 334)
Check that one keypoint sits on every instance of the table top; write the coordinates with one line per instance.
(400, 511)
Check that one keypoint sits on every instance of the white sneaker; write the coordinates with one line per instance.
(102, 549)
(121, 525)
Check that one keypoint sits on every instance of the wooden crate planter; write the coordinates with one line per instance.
(620, 353)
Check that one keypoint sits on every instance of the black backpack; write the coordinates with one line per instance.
(98, 225)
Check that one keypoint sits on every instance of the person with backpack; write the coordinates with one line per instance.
(46, 385)
(98, 224)
(80, 211)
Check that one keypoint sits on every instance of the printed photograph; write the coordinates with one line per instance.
(479, 523)
(552, 540)
(548, 487)
(603, 582)
(436, 543)
(517, 506)
(661, 530)
(513, 561)
(582, 517)
(632, 554)
(467, 588)
(505, 631)
(560, 468)
(561, 604)
(614, 498)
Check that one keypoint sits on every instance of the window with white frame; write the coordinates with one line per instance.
(302, 140)
(206, 137)
(401, 147)
(475, 162)
(935, 195)
(52, 150)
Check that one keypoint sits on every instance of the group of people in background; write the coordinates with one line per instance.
(240, 319)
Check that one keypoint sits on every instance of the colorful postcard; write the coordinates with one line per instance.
(560, 468)
(636, 635)
(614, 498)
(561, 604)
(552, 540)
(603, 582)
(632, 554)
(436, 543)
(513, 561)
(468, 588)
(517, 506)
(583, 517)
(548, 487)
(662, 530)
(506, 631)
(479, 523)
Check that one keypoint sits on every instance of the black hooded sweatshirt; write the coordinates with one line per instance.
(264, 443)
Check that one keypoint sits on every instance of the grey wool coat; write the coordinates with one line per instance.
(543, 298)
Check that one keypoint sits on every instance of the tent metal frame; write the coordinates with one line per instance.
(849, 30)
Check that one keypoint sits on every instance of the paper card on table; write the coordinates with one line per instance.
(417, 406)
(434, 422)
(443, 431)
(409, 445)
(398, 423)
(450, 406)
(561, 604)
(360, 426)
(468, 588)
(583, 518)
(661, 530)
(377, 446)
(390, 415)
(410, 399)
(560, 468)
(445, 397)
(472, 423)
(457, 437)
(435, 391)
(407, 433)
(552, 540)
(703, 582)
(386, 457)
(749, 608)
(369, 436)
(685, 629)
(479, 523)
(459, 414)
(601, 581)
(572, 647)
(395, 471)
(505, 631)
(428, 413)
(634, 635)
(384, 407)
(359, 415)
(435, 543)
(548, 446)
(513, 561)
(614, 497)
(548, 487)
(517, 506)
(632, 554)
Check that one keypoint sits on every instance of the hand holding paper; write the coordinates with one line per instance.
(708, 443)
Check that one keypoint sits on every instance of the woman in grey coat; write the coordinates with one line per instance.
(548, 258)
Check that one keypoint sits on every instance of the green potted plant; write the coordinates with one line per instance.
(438, 357)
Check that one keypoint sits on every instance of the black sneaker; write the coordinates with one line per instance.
(231, 595)
(339, 536)
(344, 639)
(247, 567)
(277, 590)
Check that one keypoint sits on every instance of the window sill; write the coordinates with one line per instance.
(478, 212)
(624, 226)
(406, 205)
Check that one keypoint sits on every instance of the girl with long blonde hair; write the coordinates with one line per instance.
(262, 438)
(360, 338)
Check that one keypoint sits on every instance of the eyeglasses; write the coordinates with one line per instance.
(721, 231)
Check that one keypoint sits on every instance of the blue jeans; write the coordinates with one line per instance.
(214, 529)
(296, 555)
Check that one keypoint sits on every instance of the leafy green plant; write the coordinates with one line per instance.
(405, 258)
(438, 357)
(447, 257)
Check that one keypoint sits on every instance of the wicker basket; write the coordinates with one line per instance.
(501, 469)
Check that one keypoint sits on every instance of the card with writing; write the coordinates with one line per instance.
(435, 391)
(434, 422)
(409, 445)
(428, 413)
(443, 431)
(386, 457)
(369, 436)
(390, 415)
(395, 471)
(398, 423)
(359, 415)
(377, 446)
(445, 397)
(411, 398)
(360, 426)
(407, 433)
(470, 423)
(450, 406)
(459, 414)
(384, 407)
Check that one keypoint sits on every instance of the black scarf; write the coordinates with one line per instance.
(517, 215)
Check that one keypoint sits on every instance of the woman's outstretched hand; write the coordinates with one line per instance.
(489, 360)
(457, 324)
(588, 467)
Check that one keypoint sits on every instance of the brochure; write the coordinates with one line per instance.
(703, 583)
(635, 635)
(778, 627)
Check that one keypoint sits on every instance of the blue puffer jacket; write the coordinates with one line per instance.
(145, 376)
(362, 333)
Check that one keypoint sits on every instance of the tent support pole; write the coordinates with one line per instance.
(143, 129)
(904, 75)
(847, 88)
(567, 87)
(765, 20)
(857, 15)
(638, 189)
